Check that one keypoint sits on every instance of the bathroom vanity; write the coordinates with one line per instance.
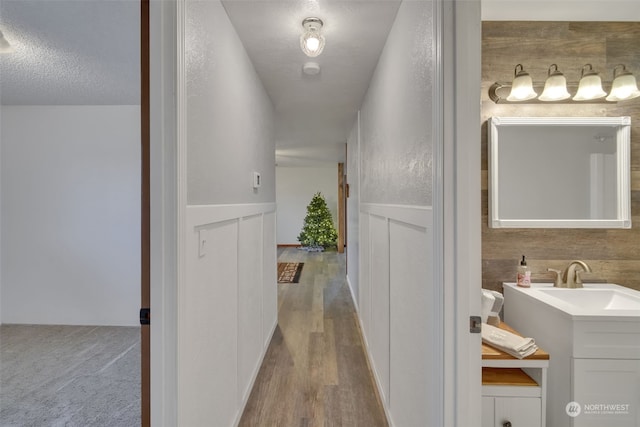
(593, 334)
(513, 390)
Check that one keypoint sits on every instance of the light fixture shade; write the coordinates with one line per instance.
(312, 41)
(5, 47)
(555, 88)
(624, 85)
(590, 86)
(522, 86)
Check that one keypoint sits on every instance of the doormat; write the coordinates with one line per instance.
(289, 272)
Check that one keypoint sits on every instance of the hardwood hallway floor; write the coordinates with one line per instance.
(315, 371)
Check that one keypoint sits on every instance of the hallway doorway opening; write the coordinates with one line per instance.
(70, 102)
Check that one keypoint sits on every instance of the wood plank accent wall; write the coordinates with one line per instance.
(614, 255)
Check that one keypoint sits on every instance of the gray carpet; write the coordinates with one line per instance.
(69, 376)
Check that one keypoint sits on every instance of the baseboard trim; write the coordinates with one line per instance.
(365, 346)
(255, 376)
(289, 245)
(353, 297)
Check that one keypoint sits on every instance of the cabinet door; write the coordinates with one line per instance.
(519, 411)
(608, 392)
(487, 411)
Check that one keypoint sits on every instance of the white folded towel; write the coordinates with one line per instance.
(510, 343)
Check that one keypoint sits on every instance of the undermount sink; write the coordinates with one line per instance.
(594, 299)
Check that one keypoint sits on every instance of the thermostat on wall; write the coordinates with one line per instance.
(256, 180)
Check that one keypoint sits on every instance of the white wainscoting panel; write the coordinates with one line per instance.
(207, 339)
(399, 309)
(364, 292)
(225, 320)
(249, 301)
(270, 279)
(379, 338)
(412, 324)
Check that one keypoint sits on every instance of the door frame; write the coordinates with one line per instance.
(165, 57)
(459, 54)
(342, 210)
(460, 58)
(145, 243)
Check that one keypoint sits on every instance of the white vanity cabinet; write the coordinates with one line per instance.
(513, 390)
(510, 411)
(608, 391)
(594, 333)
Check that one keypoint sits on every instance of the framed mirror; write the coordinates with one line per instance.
(559, 172)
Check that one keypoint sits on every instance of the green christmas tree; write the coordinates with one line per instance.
(318, 229)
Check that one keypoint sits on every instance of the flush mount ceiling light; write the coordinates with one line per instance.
(5, 47)
(590, 86)
(624, 85)
(312, 41)
(522, 86)
(555, 88)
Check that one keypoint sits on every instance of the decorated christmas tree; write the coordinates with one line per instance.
(318, 229)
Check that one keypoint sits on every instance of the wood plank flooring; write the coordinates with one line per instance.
(315, 372)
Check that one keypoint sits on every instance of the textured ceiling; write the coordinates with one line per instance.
(313, 114)
(70, 52)
(86, 52)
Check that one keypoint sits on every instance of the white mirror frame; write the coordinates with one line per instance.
(623, 141)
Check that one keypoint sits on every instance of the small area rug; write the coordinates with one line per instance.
(289, 272)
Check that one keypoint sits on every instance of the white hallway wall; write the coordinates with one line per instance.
(227, 300)
(70, 214)
(395, 288)
(295, 186)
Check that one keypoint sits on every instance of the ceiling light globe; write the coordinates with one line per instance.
(312, 44)
(312, 41)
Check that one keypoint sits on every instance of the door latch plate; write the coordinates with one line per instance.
(145, 316)
(475, 324)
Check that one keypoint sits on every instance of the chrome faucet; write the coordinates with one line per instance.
(570, 278)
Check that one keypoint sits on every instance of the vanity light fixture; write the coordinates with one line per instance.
(312, 40)
(5, 47)
(588, 90)
(522, 86)
(590, 86)
(555, 88)
(624, 85)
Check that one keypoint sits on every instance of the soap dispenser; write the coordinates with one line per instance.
(524, 274)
